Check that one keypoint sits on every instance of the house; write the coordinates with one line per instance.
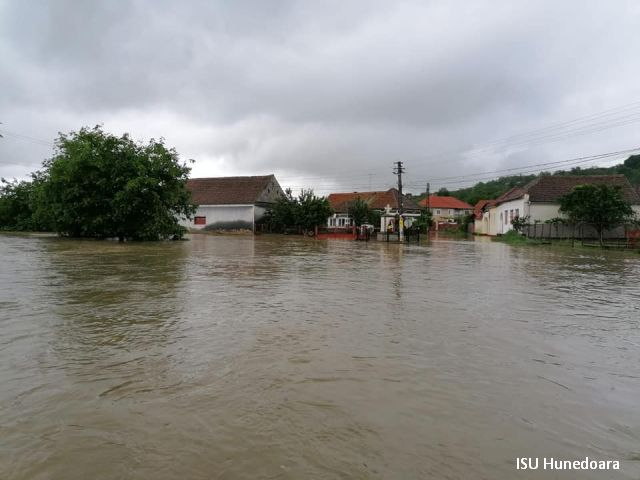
(481, 213)
(540, 199)
(385, 202)
(445, 209)
(231, 203)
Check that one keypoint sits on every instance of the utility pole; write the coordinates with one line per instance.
(428, 207)
(428, 194)
(399, 170)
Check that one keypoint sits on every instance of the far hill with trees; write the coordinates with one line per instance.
(492, 189)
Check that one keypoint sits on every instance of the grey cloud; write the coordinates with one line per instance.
(316, 87)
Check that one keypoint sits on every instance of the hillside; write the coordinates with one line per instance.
(630, 168)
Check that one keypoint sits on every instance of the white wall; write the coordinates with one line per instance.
(224, 217)
(497, 223)
(538, 212)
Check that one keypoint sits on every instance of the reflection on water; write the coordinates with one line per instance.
(279, 357)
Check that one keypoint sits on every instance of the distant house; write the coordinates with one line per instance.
(231, 203)
(445, 208)
(385, 202)
(481, 213)
(540, 199)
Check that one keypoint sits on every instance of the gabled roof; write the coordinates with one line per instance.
(550, 188)
(481, 206)
(437, 201)
(376, 200)
(229, 190)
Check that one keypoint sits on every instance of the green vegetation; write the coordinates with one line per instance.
(602, 206)
(520, 222)
(361, 213)
(424, 221)
(514, 238)
(98, 185)
(492, 189)
(465, 221)
(18, 202)
(300, 214)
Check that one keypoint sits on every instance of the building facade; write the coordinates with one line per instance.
(231, 203)
(539, 200)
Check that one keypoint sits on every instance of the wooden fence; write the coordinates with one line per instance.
(623, 235)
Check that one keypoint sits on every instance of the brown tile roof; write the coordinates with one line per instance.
(512, 194)
(228, 190)
(480, 207)
(437, 201)
(550, 188)
(376, 200)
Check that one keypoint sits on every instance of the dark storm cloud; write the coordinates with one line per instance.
(313, 89)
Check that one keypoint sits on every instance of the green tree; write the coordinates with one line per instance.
(282, 214)
(19, 204)
(520, 222)
(374, 218)
(602, 206)
(15, 205)
(312, 211)
(303, 213)
(424, 221)
(359, 211)
(99, 185)
(464, 221)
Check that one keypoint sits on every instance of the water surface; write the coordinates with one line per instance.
(278, 357)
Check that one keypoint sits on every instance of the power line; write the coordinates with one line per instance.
(538, 167)
(28, 138)
(593, 124)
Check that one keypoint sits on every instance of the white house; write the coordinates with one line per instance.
(539, 200)
(231, 203)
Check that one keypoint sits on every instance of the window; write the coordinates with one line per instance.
(437, 212)
(506, 217)
(517, 213)
(450, 211)
(199, 220)
(510, 215)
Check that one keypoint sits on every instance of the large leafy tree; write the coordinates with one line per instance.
(602, 206)
(100, 185)
(302, 213)
(312, 210)
(282, 214)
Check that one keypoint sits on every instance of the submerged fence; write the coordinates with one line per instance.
(622, 236)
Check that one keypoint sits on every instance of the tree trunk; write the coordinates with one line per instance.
(600, 234)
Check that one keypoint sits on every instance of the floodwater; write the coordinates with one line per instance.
(272, 357)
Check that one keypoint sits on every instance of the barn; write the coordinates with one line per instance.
(231, 203)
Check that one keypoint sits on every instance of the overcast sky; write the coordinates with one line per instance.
(326, 94)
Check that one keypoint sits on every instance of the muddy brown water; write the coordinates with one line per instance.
(278, 357)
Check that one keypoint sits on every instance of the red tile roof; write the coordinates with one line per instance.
(437, 201)
(229, 190)
(550, 188)
(376, 200)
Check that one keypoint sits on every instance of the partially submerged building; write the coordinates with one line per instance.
(231, 203)
(539, 200)
(387, 203)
